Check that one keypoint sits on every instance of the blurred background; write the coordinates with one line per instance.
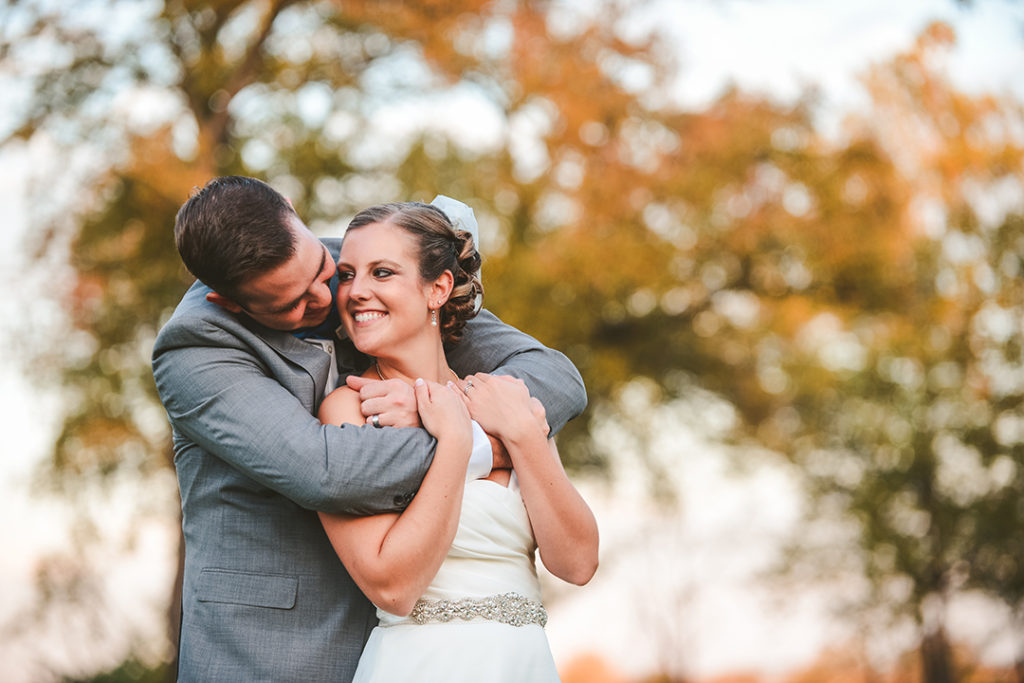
(783, 240)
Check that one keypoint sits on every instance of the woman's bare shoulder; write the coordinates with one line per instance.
(341, 405)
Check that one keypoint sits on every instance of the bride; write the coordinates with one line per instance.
(453, 576)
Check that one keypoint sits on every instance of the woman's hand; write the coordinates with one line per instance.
(503, 406)
(443, 414)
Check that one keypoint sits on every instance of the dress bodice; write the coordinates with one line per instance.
(493, 550)
(482, 617)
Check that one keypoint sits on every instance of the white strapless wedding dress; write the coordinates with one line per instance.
(481, 619)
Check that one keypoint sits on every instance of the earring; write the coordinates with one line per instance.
(433, 317)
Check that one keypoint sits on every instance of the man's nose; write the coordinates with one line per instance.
(320, 294)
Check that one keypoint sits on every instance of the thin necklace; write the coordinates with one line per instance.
(376, 368)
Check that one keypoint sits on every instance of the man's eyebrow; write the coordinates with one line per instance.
(295, 302)
(323, 261)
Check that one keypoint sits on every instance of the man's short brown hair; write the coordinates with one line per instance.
(232, 229)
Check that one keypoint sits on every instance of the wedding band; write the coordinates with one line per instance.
(375, 421)
(469, 385)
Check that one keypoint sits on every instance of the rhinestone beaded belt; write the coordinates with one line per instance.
(508, 608)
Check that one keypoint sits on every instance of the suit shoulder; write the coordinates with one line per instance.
(193, 320)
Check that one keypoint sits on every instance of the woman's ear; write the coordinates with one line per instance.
(442, 288)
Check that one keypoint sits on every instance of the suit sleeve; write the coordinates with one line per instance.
(221, 399)
(490, 345)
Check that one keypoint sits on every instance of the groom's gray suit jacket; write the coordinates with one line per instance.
(265, 598)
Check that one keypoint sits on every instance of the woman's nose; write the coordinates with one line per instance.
(356, 288)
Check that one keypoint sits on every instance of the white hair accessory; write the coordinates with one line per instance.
(462, 218)
(460, 215)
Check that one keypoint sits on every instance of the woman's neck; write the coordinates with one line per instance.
(435, 369)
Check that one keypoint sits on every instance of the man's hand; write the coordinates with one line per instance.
(391, 400)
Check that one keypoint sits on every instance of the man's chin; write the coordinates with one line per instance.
(317, 319)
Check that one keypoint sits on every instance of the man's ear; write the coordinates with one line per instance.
(223, 302)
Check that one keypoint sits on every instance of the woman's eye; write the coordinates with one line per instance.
(344, 276)
(381, 272)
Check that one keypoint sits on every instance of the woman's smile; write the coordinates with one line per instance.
(368, 316)
(383, 301)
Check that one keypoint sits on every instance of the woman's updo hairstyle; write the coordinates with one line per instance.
(441, 248)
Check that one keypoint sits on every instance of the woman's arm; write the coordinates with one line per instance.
(393, 557)
(563, 524)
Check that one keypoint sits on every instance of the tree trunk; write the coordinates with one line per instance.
(174, 608)
(936, 658)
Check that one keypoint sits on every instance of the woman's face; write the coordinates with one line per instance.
(382, 299)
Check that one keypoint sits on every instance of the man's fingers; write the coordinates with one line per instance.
(356, 383)
(368, 387)
(375, 406)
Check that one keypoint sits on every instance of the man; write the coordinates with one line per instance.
(241, 368)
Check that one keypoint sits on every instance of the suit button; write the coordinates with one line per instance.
(403, 498)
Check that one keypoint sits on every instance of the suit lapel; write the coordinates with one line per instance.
(313, 360)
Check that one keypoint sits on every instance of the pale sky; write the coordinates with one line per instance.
(774, 46)
(779, 46)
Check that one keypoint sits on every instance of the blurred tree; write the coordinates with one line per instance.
(731, 249)
(141, 102)
(129, 671)
(858, 301)
(919, 433)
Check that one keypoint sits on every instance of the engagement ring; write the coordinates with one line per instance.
(469, 385)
